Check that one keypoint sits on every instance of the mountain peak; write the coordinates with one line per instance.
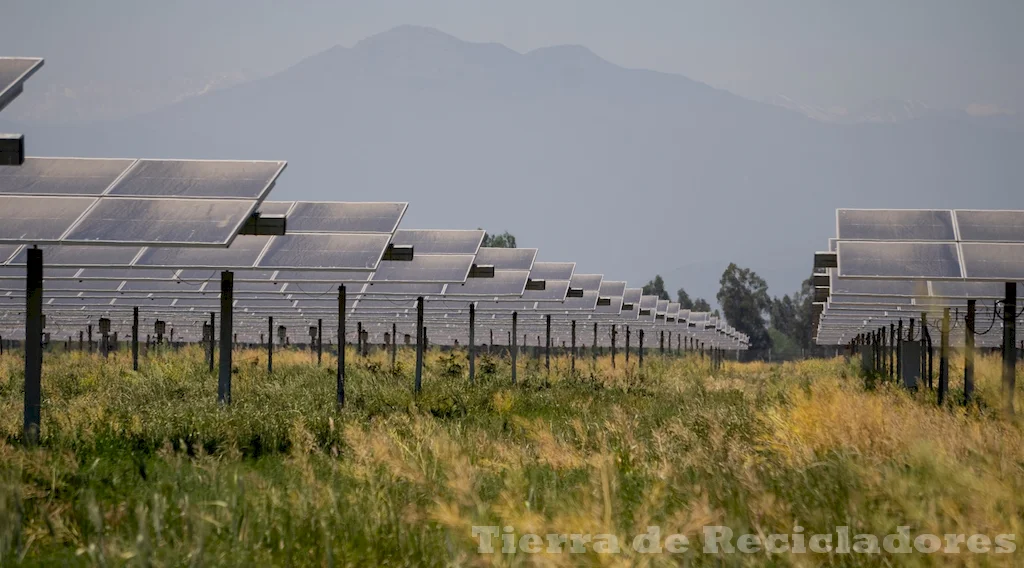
(407, 35)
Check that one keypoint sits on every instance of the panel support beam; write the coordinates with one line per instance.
(33, 345)
(227, 301)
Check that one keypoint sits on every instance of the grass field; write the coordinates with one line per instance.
(146, 469)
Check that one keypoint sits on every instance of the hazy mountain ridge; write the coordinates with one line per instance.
(629, 172)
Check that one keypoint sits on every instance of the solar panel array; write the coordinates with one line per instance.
(120, 234)
(891, 266)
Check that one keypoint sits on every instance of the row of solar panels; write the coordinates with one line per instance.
(891, 266)
(119, 233)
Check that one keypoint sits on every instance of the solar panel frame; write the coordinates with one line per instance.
(15, 71)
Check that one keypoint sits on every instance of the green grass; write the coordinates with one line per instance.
(147, 469)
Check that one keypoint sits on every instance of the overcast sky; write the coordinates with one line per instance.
(946, 53)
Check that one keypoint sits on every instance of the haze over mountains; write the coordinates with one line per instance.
(628, 172)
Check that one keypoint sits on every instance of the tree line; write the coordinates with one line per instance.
(781, 325)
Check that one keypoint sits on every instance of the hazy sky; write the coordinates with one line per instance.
(946, 53)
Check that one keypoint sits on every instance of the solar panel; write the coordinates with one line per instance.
(243, 252)
(994, 261)
(82, 256)
(334, 217)
(439, 242)
(165, 222)
(587, 282)
(587, 302)
(554, 291)
(895, 225)
(14, 71)
(614, 306)
(992, 226)
(38, 219)
(199, 179)
(506, 258)
(632, 295)
(324, 251)
(552, 270)
(504, 283)
(899, 260)
(611, 288)
(62, 176)
(276, 208)
(648, 302)
(426, 268)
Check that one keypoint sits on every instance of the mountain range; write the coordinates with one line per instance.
(629, 172)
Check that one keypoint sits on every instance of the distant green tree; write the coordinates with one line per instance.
(744, 299)
(656, 287)
(685, 303)
(504, 240)
(701, 305)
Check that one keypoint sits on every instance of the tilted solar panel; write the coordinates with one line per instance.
(506, 258)
(439, 241)
(990, 226)
(337, 217)
(994, 261)
(894, 225)
(324, 251)
(164, 222)
(928, 260)
(249, 180)
(62, 176)
(14, 71)
(552, 270)
(426, 268)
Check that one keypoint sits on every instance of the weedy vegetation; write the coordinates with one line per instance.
(146, 469)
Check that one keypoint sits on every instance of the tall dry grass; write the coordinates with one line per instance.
(147, 469)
